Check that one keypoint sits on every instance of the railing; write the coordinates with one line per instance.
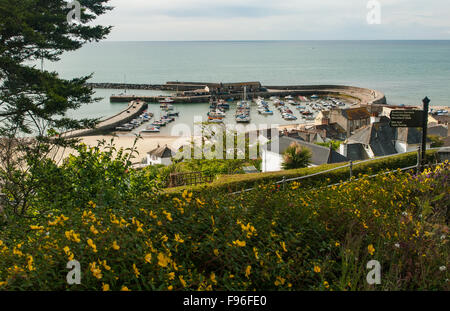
(350, 165)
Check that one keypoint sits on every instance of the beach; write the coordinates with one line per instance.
(143, 145)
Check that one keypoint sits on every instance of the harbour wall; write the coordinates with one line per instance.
(361, 95)
(133, 110)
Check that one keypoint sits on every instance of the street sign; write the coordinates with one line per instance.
(406, 118)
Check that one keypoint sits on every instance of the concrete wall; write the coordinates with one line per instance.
(106, 126)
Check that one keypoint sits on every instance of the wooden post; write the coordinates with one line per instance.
(426, 103)
(419, 159)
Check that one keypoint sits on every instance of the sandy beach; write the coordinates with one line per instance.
(143, 145)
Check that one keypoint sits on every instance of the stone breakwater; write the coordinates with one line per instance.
(359, 95)
(134, 109)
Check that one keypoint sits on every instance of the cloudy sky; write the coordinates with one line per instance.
(148, 20)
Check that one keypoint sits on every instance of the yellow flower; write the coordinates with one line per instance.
(239, 243)
(92, 245)
(337, 244)
(216, 252)
(105, 287)
(178, 239)
(168, 216)
(92, 204)
(279, 281)
(93, 230)
(96, 271)
(36, 228)
(213, 278)
(371, 249)
(325, 283)
(183, 282)
(68, 252)
(136, 271)
(163, 260)
(255, 251)
(170, 287)
(72, 236)
(316, 269)
(115, 246)
(30, 263)
(171, 275)
(124, 289)
(247, 271)
(148, 258)
(283, 245)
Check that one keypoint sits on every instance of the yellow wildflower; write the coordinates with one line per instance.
(115, 246)
(247, 271)
(92, 245)
(96, 271)
(279, 281)
(283, 245)
(239, 243)
(216, 252)
(182, 281)
(178, 239)
(148, 258)
(124, 289)
(105, 287)
(316, 269)
(163, 260)
(93, 230)
(136, 271)
(371, 249)
(213, 278)
(30, 263)
(36, 227)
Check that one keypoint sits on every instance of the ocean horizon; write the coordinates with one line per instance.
(404, 70)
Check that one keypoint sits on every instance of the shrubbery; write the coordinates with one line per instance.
(267, 239)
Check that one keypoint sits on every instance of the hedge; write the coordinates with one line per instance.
(233, 183)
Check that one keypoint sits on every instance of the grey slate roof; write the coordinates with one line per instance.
(162, 152)
(439, 130)
(409, 135)
(320, 154)
(380, 137)
(356, 152)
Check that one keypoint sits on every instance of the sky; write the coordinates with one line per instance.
(198, 20)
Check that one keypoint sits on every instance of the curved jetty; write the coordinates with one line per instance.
(228, 91)
(134, 109)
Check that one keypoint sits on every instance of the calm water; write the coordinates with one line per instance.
(406, 71)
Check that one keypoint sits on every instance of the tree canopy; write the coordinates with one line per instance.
(33, 100)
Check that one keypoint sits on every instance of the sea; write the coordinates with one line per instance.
(405, 71)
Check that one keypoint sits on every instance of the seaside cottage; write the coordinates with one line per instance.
(380, 139)
(349, 119)
(160, 155)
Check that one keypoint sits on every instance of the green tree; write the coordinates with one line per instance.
(296, 156)
(34, 102)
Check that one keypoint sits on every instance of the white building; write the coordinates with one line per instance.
(272, 159)
(160, 155)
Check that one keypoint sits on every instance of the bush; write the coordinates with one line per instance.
(267, 239)
(240, 182)
(296, 156)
